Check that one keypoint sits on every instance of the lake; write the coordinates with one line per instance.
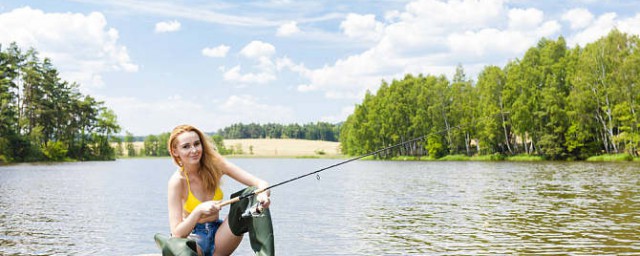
(360, 208)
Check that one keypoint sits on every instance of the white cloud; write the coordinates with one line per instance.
(167, 26)
(342, 116)
(362, 27)
(285, 62)
(258, 49)
(630, 25)
(600, 27)
(464, 14)
(155, 121)
(305, 88)
(288, 29)
(264, 69)
(234, 75)
(219, 51)
(208, 115)
(578, 18)
(429, 37)
(80, 46)
(246, 108)
(522, 19)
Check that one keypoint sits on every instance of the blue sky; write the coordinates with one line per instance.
(158, 64)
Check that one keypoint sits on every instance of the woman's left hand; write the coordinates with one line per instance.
(264, 199)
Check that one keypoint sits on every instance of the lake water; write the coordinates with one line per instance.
(360, 208)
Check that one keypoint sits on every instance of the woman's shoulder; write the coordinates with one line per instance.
(176, 179)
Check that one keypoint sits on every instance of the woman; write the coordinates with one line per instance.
(194, 192)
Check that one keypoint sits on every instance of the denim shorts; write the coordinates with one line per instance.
(204, 234)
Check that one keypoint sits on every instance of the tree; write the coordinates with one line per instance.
(128, 141)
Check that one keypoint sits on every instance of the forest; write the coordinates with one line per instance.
(311, 131)
(43, 118)
(556, 102)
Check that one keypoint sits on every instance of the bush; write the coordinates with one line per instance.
(492, 157)
(611, 158)
(55, 151)
(525, 158)
(455, 158)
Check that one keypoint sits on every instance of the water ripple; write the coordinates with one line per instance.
(365, 208)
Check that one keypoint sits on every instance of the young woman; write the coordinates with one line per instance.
(194, 192)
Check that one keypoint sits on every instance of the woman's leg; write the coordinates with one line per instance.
(226, 241)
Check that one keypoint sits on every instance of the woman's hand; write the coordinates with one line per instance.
(264, 199)
(208, 208)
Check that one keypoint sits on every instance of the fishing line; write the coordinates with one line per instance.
(317, 172)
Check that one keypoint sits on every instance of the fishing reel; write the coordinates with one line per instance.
(254, 211)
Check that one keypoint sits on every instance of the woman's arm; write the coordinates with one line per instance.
(182, 227)
(246, 178)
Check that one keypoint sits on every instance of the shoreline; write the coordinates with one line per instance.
(282, 148)
(272, 148)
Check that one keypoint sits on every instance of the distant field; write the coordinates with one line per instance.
(285, 147)
(278, 147)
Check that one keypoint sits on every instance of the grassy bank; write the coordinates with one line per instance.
(295, 148)
(612, 158)
(516, 158)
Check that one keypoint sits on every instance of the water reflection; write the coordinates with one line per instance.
(363, 208)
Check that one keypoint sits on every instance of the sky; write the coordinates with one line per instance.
(211, 64)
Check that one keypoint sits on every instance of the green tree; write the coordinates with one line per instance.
(492, 124)
(128, 141)
(151, 145)
(218, 140)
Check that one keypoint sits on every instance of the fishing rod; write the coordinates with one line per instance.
(258, 191)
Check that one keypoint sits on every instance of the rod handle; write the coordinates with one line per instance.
(236, 199)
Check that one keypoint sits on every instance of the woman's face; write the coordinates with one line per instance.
(188, 148)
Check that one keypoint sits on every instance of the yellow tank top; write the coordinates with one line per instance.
(192, 201)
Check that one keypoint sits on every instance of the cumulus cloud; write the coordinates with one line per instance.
(602, 26)
(167, 26)
(342, 116)
(630, 25)
(263, 69)
(219, 51)
(464, 14)
(363, 27)
(522, 19)
(258, 49)
(578, 18)
(234, 75)
(81, 46)
(429, 37)
(287, 63)
(288, 29)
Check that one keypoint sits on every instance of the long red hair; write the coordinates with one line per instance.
(209, 161)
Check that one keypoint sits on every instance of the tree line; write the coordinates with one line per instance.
(555, 102)
(43, 117)
(311, 131)
(155, 145)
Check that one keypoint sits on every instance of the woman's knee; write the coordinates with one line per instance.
(226, 241)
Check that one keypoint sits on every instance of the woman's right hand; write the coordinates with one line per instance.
(208, 208)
